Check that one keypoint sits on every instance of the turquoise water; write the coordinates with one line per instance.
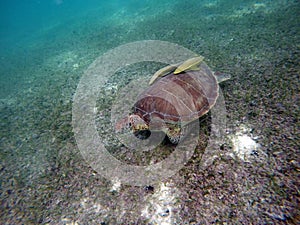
(46, 47)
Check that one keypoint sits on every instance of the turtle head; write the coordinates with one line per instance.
(132, 122)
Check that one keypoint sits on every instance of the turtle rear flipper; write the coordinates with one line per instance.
(221, 76)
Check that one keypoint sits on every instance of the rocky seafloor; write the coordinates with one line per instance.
(255, 180)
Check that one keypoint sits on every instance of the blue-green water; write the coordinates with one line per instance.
(45, 48)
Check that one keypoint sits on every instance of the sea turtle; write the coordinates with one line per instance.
(178, 95)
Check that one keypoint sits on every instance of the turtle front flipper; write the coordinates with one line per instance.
(174, 134)
(137, 123)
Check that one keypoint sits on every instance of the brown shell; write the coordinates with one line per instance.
(179, 98)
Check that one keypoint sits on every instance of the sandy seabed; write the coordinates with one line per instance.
(44, 178)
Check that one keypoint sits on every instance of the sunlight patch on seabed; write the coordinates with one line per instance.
(116, 185)
(88, 206)
(162, 205)
(262, 6)
(244, 145)
(123, 17)
(9, 101)
(68, 221)
(64, 59)
(211, 4)
(246, 9)
(250, 9)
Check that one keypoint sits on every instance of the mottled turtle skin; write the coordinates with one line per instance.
(173, 101)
